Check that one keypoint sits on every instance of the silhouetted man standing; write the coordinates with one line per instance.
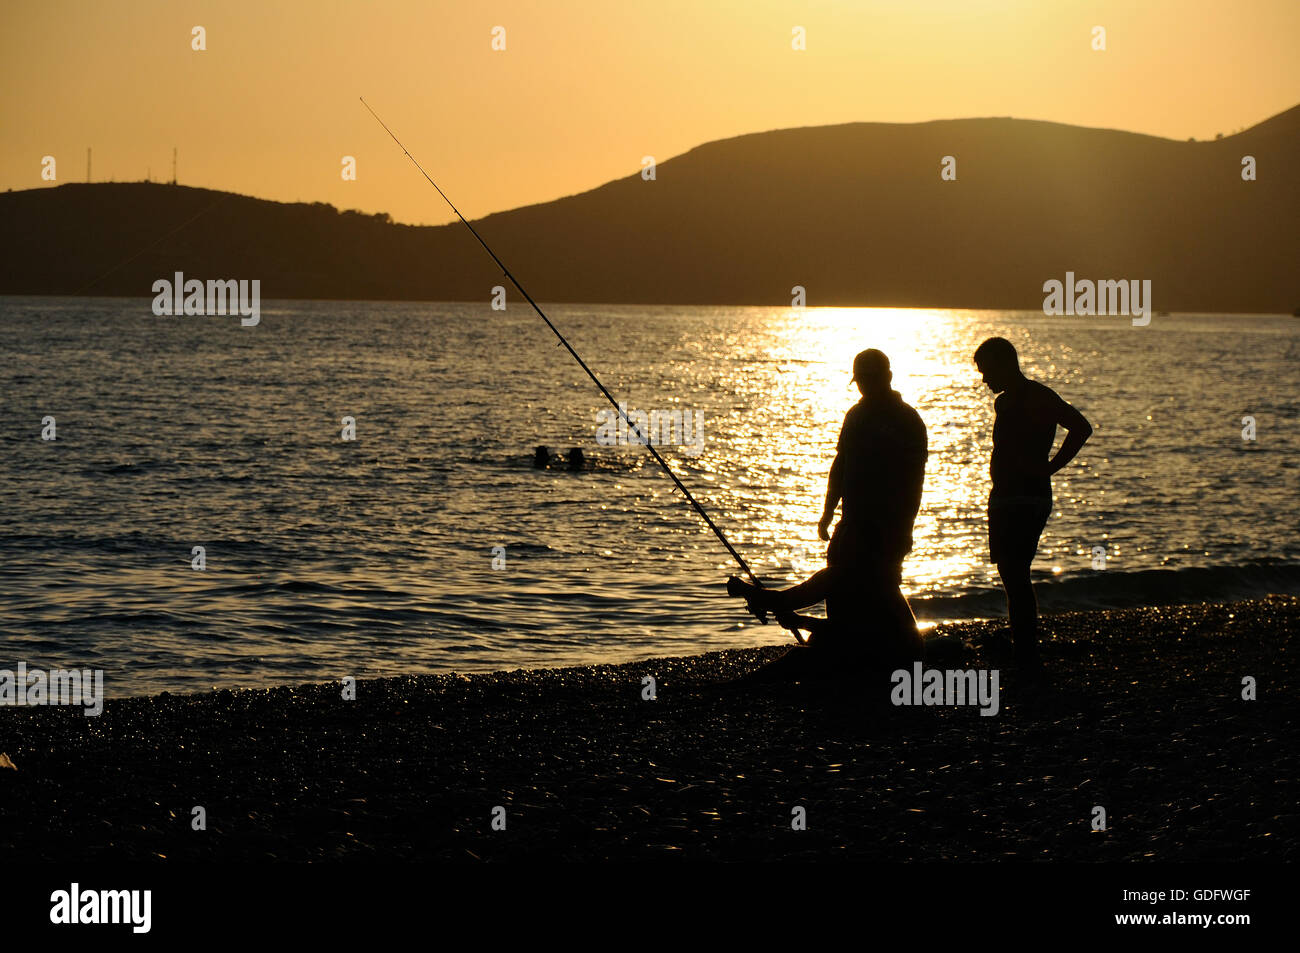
(877, 476)
(1027, 414)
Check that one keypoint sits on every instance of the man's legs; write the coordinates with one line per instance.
(1022, 607)
(1014, 529)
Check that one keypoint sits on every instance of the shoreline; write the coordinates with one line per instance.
(928, 627)
(1144, 717)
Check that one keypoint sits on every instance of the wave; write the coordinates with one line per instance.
(1106, 589)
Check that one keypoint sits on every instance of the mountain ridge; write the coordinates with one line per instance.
(856, 213)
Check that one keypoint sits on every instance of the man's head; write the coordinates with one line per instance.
(997, 360)
(871, 372)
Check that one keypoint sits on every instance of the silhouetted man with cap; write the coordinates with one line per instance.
(876, 477)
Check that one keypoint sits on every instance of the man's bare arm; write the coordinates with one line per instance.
(915, 486)
(834, 490)
(1078, 430)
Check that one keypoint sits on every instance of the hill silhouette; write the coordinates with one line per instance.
(856, 213)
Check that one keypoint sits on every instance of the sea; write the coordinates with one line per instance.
(348, 489)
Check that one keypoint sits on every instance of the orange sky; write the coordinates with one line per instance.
(585, 88)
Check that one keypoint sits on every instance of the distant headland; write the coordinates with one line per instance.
(974, 213)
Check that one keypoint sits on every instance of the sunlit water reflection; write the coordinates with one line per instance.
(328, 558)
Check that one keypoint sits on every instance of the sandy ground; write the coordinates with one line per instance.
(1144, 717)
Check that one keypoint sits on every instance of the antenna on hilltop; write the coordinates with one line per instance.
(173, 165)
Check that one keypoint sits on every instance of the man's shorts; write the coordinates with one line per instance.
(1015, 524)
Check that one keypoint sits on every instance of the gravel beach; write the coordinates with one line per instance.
(1144, 716)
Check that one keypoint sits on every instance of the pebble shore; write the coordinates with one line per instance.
(1143, 716)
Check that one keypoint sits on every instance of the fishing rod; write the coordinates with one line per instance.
(762, 615)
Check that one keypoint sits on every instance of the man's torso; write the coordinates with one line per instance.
(882, 446)
(1024, 429)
